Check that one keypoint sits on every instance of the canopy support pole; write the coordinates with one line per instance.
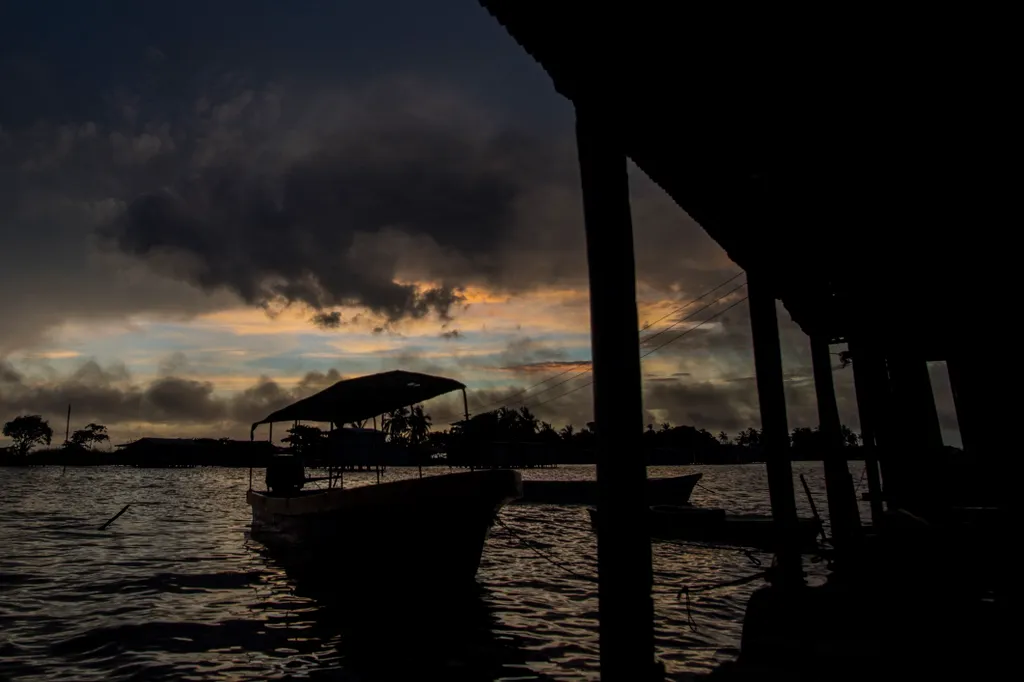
(330, 468)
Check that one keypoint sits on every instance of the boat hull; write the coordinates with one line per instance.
(672, 490)
(430, 529)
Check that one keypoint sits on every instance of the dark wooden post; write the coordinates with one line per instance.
(913, 388)
(867, 409)
(915, 426)
(626, 608)
(888, 434)
(842, 500)
(771, 395)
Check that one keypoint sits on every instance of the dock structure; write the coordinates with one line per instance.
(843, 164)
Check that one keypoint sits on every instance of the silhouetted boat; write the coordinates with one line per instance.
(671, 490)
(431, 529)
(715, 526)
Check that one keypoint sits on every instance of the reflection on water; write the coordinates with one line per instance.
(174, 589)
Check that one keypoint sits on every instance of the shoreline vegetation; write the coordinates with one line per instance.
(502, 438)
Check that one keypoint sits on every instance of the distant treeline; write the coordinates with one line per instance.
(504, 437)
(518, 437)
(154, 452)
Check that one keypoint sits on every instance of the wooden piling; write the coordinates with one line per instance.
(842, 498)
(913, 388)
(771, 395)
(626, 608)
(868, 412)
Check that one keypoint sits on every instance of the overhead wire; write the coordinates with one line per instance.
(696, 326)
(642, 341)
(720, 298)
(680, 321)
(653, 350)
(505, 400)
(687, 305)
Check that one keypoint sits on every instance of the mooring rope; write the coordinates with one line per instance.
(705, 488)
(544, 555)
(684, 590)
(863, 473)
(687, 591)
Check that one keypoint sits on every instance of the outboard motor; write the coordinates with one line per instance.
(285, 475)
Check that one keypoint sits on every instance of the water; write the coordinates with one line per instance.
(175, 589)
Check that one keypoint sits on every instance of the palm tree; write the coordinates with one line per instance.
(850, 439)
(506, 421)
(547, 433)
(750, 437)
(528, 423)
(305, 439)
(396, 423)
(418, 425)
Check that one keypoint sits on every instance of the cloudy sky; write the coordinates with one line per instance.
(208, 209)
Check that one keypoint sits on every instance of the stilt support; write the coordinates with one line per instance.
(867, 409)
(842, 501)
(771, 395)
(626, 608)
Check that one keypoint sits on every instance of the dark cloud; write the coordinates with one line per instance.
(414, 363)
(317, 196)
(9, 375)
(315, 381)
(276, 219)
(174, 364)
(715, 407)
(327, 320)
(256, 402)
(187, 174)
(109, 395)
(522, 353)
(173, 399)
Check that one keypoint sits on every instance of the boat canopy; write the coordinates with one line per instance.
(353, 400)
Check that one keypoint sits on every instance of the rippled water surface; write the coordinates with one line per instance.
(175, 589)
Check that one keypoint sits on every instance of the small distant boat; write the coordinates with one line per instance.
(674, 490)
(429, 529)
(715, 526)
